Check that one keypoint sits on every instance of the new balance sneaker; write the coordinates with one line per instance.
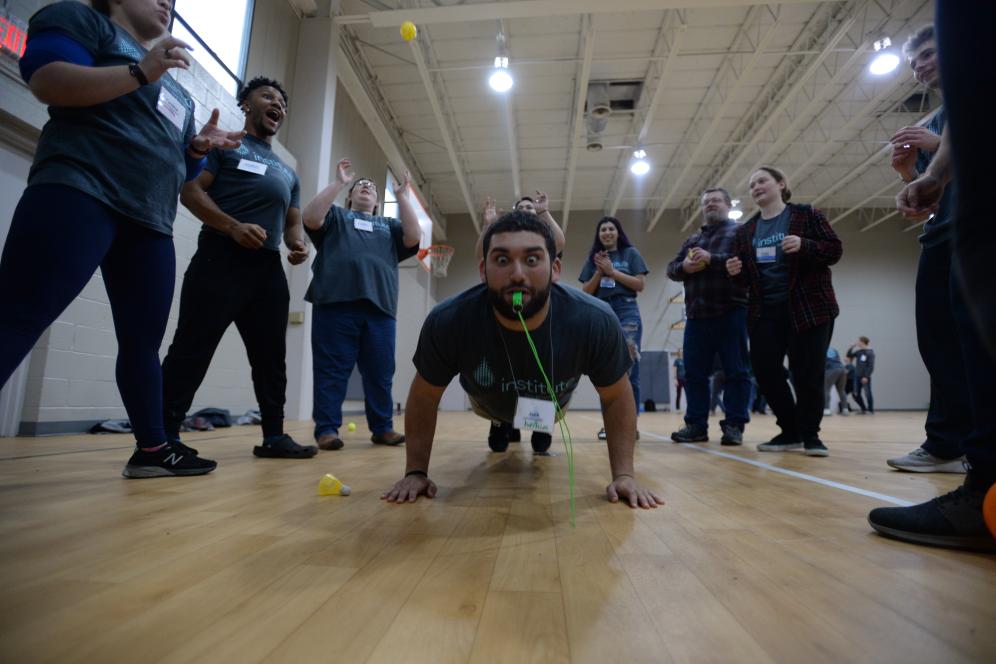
(922, 461)
(170, 461)
(541, 442)
(690, 434)
(284, 447)
(175, 442)
(953, 520)
(780, 443)
(814, 447)
(732, 435)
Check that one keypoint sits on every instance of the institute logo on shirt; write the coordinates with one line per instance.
(483, 375)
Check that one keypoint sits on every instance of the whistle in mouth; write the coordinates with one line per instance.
(517, 301)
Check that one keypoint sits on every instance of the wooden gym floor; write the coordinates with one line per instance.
(743, 564)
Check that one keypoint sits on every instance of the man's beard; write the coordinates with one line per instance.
(537, 298)
(715, 217)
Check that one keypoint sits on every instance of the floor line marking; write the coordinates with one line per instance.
(784, 471)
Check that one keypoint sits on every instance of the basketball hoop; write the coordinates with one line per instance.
(439, 258)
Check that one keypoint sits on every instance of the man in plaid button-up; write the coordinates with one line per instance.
(716, 308)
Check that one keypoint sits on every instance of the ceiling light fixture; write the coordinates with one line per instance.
(501, 80)
(640, 165)
(885, 61)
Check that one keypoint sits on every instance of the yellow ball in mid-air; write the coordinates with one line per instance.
(408, 31)
(352, 426)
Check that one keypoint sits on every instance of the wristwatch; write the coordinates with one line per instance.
(137, 72)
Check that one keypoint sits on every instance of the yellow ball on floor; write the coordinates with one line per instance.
(352, 426)
(408, 31)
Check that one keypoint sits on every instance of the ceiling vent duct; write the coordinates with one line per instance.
(594, 143)
(599, 102)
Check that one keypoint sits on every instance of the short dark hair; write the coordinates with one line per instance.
(260, 82)
(917, 39)
(102, 6)
(524, 198)
(779, 177)
(726, 194)
(865, 340)
(521, 222)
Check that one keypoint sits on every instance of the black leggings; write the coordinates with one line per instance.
(58, 237)
(770, 340)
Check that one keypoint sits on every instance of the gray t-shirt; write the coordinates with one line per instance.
(251, 196)
(124, 152)
(581, 335)
(357, 256)
(628, 261)
(772, 265)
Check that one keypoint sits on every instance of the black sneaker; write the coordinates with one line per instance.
(541, 442)
(732, 435)
(284, 447)
(690, 434)
(167, 462)
(953, 520)
(814, 447)
(498, 438)
(781, 443)
(177, 445)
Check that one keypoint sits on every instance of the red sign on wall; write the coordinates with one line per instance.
(13, 37)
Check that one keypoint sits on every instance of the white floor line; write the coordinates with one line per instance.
(784, 471)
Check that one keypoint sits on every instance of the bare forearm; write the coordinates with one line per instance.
(66, 84)
(409, 218)
(634, 283)
(204, 208)
(619, 414)
(558, 234)
(293, 230)
(420, 424)
(940, 166)
(591, 286)
(315, 211)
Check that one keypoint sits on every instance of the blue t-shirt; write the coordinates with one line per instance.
(938, 228)
(124, 152)
(581, 335)
(628, 261)
(357, 256)
(254, 186)
(769, 258)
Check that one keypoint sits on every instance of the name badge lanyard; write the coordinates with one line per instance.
(565, 432)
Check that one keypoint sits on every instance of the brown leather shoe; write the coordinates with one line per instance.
(388, 438)
(330, 441)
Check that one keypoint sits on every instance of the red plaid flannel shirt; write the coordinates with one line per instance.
(811, 298)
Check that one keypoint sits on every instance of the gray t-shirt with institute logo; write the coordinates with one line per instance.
(357, 256)
(252, 185)
(581, 335)
(127, 152)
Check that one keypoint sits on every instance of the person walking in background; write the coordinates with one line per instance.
(864, 365)
(836, 376)
(679, 378)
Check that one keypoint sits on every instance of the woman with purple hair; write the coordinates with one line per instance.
(615, 272)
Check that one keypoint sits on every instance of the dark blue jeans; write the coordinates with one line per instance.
(949, 417)
(345, 335)
(726, 336)
(628, 314)
(58, 238)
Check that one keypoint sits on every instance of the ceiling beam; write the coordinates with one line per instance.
(880, 220)
(619, 179)
(861, 203)
(513, 139)
(728, 67)
(437, 111)
(587, 47)
(533, 9)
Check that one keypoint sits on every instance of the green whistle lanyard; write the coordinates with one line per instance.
(565, 432)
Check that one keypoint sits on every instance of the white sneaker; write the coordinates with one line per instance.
(827, 412)
(922, 461)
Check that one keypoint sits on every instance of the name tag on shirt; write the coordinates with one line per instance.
(171, 107)
(607, 282)
(534, 414)
(767, 254)
(250, 166)
(863, 358)
(363, 225)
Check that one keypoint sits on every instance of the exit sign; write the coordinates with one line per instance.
(13, 36)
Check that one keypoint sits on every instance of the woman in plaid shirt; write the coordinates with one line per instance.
(783, 255)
